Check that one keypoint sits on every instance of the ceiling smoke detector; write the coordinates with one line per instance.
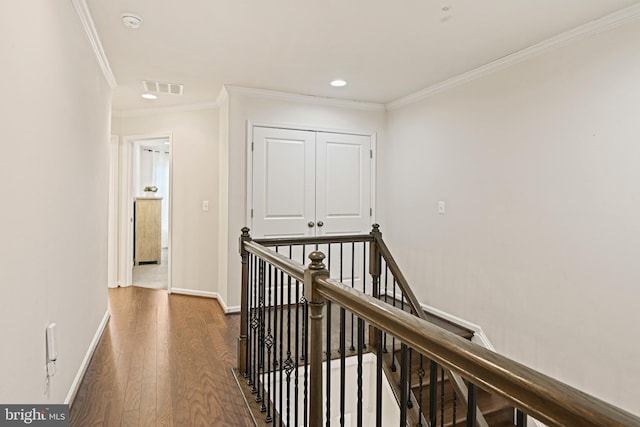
(131, 20)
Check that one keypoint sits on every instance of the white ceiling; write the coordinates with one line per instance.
(384, 49)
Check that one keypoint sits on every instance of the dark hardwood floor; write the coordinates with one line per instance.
(163, 360)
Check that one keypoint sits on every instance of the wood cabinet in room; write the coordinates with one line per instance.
(147, 230)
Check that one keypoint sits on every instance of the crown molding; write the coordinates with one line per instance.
(137, 112)
(307, 99)
(92, 34)
(600, 25)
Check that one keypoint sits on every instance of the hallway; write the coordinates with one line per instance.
(163, 360)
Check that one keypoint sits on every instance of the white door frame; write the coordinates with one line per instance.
(249, 151)
(126, 211)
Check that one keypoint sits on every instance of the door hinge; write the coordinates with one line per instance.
(371, 154)
(252, 146)
(370, 211)
(251, 213)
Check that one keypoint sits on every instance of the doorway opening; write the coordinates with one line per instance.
(146, 213)
(151, 213)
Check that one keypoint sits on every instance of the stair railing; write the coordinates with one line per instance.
(543, 397)
(284, 288)
(382, 251)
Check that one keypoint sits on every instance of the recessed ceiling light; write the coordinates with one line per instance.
(338, 83)
(131, 20)
(149, 96)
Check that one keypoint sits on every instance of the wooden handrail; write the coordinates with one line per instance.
(542, 397)
(401, 281)
(456, 381)
(289, 266)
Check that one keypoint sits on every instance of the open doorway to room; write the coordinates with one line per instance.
(147, 182)
(151, 213)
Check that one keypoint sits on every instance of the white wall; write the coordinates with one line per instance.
(539, 165)
(195, 178)
(272, 108)
(55, 109)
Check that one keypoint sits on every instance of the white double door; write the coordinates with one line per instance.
(307, 183)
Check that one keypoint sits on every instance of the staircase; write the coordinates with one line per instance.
(286, 333)
(450, 412)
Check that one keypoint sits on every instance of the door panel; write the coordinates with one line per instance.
(283, 182)
(343, 183)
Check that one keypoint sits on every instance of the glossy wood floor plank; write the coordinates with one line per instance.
(164, 360)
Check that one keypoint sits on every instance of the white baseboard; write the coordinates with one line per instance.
(207, 294)
(75, 385)
(195, 293)
(232, 309)
(479, 337)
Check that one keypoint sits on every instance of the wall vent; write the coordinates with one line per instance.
(163, 87)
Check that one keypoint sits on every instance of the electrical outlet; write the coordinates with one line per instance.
(441, 207)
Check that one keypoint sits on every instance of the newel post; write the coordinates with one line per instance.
(244, 304)
(316, 303)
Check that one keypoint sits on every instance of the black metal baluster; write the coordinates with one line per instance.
(276, 362)
(364, 268)
(274, 308)
(353, 284)
(359, 378)
(261, 365)
(281, 343)
(433, 393)
(296, 394)
(245, 374)
(455, 404)
(249, 315)
(442, 398)
(379, 357)
(304, 312)
(471, 407)
(409, 401)
(421, 374)
(255, 322)
(342, 345)
(521, 418)
(269, 344)
(393, 339)
(403, 385)
(364, 276)
(328, 352)
(305, 346)
(386, 278)
(343, 364)
(289, 365)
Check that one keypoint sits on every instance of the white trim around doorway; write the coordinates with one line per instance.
(126, 211)
(249, 159)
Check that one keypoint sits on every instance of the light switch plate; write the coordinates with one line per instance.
(205, 205)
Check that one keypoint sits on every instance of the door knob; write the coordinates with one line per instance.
(311, 224)
(320, 223)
